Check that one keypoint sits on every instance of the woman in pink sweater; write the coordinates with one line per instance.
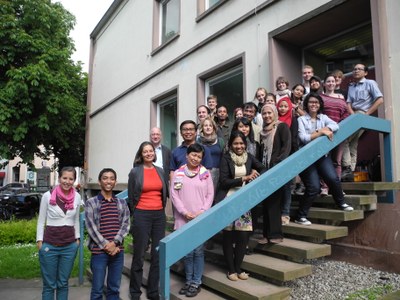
(192, 193)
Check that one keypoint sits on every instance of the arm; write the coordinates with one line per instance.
(125, 221)
(176, 199)
(208, 199)
(375, 106)
(42, 219)
(285, 142)
(77, 226)
(226, 179)
(93, 231)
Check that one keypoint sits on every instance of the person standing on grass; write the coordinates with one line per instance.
(147, 194)
(58, 235)
(107, 222)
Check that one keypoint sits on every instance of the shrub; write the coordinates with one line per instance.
(18, 232)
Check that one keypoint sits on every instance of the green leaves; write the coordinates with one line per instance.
(42, 92)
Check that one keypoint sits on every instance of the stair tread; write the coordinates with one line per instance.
(296, 249)
(350, 199)
(320, 231)
(215, 278)
(335, 214)
(370, 186)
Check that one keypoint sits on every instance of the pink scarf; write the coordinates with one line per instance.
(67, 199)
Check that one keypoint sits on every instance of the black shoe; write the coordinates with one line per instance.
(249, 251)
(183, 290)
(193, 291)
(347, 175)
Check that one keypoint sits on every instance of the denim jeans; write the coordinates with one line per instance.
(56, 264)
(322, 168)
(113, 265)
(146, 224)
(194, 265)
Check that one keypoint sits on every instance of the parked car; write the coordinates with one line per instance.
(20, 204)
(15, 186)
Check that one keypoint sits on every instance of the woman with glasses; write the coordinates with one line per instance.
(311, 126)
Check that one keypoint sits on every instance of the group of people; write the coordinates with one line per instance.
(216, 158)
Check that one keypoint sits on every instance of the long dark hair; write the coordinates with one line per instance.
(139, 158)
(245, 122)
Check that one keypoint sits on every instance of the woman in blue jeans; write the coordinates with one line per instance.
(58, 235)
(192, 193)
(147, 193)
(311, 126)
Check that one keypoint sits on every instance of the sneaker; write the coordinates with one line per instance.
(303, 221)
(346, 207)
(347, 175)
(299, 190)
(243, 276)
(263, 241)
(193, 290)
(324, 192)
(285, 220)
(233, 277)
(183, 290)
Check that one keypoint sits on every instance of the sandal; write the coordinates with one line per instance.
(233, 277)
(243, 276)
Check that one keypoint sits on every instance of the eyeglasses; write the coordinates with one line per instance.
(188, 129)
(358, 69)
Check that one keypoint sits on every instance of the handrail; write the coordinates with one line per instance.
(177, 244)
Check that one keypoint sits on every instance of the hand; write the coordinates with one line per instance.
(78, 241)
(326, 131)
(116, 251)
(189, 216)
(39, 244)
(110, 247)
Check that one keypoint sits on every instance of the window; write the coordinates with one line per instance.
(167, 118)
(211, 3)
(205, 7)
(228, 87)
(169, 19)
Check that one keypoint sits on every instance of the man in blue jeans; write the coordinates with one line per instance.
(107, 222)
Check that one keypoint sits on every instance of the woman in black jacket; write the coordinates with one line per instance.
(147, 193)
(275, 147)
(237, 168)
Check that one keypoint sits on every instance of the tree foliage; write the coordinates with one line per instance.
(42, 91)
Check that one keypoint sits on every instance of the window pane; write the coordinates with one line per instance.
(168, 116)
(228, 87)
(170, 19)
(211, 3)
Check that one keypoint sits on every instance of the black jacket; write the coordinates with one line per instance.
(227, 178)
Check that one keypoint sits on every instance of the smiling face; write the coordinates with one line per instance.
(238, 146)
(208, 127)
(245, 129)
(239, 114)
(222, 113)
(260, 95)
(107, 181)
(307, 74)
(330, 84)
(188, 133)
(313, 106)
(249, 112)
(212, 104)
(202, 113)
(155, 136)
(267, 115)
(281, 86)
(193, 159)
(283, 108)
(298, 92)
(315, 84)
(270, 100)
(67, 180)
(148, 154)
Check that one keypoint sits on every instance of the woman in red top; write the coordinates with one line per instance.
(147, 193)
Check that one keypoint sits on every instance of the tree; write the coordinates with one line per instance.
(42, 91)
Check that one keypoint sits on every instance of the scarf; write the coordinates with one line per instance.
(287, 118)
(267, 135)
(238, 160)
(211, 140)
(67, 199)
(184, 171)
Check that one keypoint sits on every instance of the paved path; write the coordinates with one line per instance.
(13, 289)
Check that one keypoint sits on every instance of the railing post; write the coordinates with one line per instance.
(81, 262)
(164, 271)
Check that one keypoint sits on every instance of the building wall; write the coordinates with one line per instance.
(127, 73)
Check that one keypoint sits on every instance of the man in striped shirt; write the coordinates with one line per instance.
(107, 222)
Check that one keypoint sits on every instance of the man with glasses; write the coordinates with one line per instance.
(188, 133)
(363, 97)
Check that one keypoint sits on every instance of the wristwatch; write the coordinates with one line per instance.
(117, 243)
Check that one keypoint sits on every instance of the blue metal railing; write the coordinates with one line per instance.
(174, 246)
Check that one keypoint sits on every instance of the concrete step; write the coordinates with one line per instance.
(176, 283)
(216, 279)
(294, 250)
(316, 232)
(362, 187)
(333, 215)
(274, 269)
